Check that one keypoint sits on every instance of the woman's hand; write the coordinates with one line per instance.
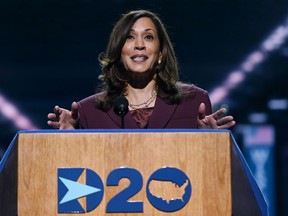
(214, 121)
(63, 118)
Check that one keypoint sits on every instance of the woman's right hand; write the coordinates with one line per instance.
(63, 118)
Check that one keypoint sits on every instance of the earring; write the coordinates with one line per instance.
(159, 61)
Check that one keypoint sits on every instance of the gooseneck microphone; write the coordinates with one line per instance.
(121, 108)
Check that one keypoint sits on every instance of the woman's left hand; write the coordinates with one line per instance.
(214, 121)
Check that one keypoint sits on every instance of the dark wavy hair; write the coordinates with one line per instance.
(113, 77)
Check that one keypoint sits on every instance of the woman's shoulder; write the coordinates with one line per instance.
(194, 94)
(92, 98)
(188, 88)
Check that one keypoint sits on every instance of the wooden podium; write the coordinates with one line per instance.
(142, 172)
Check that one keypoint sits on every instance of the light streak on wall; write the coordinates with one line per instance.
(10, 111)
(273, 42)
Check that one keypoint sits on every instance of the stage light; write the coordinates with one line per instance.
(258, 118)
(252, 61)
(278, 104)
(234, 78)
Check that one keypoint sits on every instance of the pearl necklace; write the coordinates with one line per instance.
(146, 103)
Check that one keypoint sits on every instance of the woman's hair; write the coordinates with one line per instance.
(113, 77)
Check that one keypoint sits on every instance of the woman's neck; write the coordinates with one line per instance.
(142, 98)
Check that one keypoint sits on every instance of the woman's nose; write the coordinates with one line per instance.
(139, 44)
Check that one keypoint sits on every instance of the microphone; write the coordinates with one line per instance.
(121, 108)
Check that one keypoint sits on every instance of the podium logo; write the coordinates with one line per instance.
(70, 190)
(168, 179)
(168, 189)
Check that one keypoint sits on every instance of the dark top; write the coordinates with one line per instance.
(182, 115)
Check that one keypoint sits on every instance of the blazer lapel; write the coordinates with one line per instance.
(162, 113)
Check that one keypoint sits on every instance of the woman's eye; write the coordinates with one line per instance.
(130, 37)
(149, 37)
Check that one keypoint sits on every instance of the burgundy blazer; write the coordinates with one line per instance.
(182, 115)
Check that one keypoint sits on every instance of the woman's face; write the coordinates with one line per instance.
(141, 49)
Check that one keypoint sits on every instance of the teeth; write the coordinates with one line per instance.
(139, 58)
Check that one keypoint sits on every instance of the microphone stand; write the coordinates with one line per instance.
(122, 114)
(121, 108)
